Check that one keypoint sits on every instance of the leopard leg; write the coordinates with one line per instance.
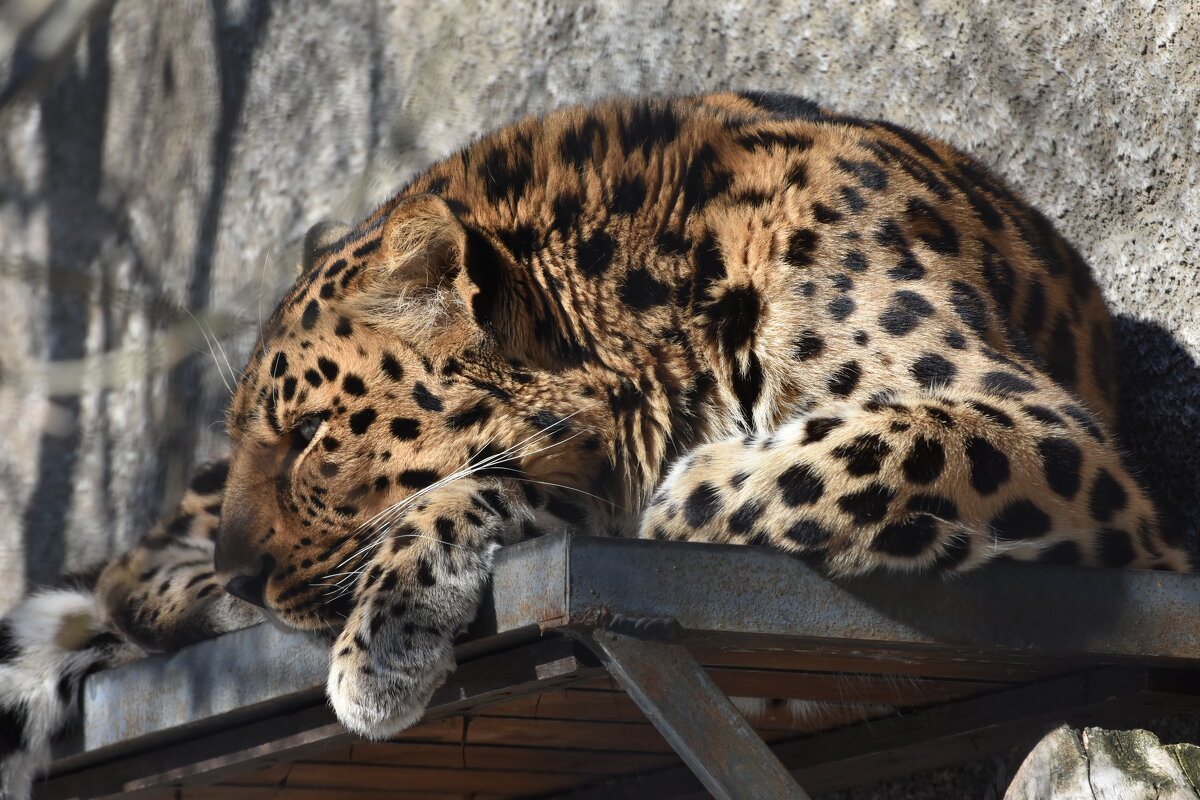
(421, 586)
(937, 479)
(163, 593)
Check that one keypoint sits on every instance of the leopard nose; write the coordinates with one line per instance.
(252, 588)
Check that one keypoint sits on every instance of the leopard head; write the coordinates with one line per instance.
(404, 358)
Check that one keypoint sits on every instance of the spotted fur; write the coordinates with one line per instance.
(732, 318)
(729, 318)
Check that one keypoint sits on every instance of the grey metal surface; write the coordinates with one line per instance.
(1089, 616)
(695, 717)
(235, 673)
(529, 586)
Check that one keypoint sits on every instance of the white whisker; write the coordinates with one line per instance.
(211, 351)
(262, 272)
(232, 372)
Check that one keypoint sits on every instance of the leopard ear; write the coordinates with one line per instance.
(422, 244)
(429, 256)
(435, 274)
(320, 238)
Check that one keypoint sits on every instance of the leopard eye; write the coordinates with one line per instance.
(305, 430)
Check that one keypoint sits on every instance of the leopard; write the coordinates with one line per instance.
(734, 318)
(730, 318)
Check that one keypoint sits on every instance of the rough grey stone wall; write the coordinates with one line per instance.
(154, 191)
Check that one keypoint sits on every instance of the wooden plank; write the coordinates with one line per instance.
(881, 662)
(235, 792)
(615, 706)
(898, 690)
(305, 775)
(528, 759)
(780, 718)
(895, 690)
(940, 655)
(270, 776)
(882, 749)
(597, 706)
(613, 736)
(555, 734)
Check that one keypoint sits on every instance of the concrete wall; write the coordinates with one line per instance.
(154, 191)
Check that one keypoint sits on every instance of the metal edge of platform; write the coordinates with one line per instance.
(249, 677)
(1089, 616)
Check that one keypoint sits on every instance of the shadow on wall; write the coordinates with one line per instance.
(72, 122)
(1160, 419)
(74, 109)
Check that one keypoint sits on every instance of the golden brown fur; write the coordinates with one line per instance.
(732, 318)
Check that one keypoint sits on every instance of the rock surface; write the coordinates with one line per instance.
(1095, 764)
(152, 194)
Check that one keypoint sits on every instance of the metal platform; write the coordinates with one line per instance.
(598, 668)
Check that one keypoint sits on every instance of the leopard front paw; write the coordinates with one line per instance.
(376, 692)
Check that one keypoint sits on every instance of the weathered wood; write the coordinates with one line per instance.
(305, 775)
(532, 759)
(880, 749)
(840, 687)
(1098, 764)
(836, 687)
(515, 731)
(881, 661)
(236, 792)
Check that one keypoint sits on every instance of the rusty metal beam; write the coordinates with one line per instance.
(694, 716)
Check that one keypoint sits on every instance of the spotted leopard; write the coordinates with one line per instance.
(733, 318)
